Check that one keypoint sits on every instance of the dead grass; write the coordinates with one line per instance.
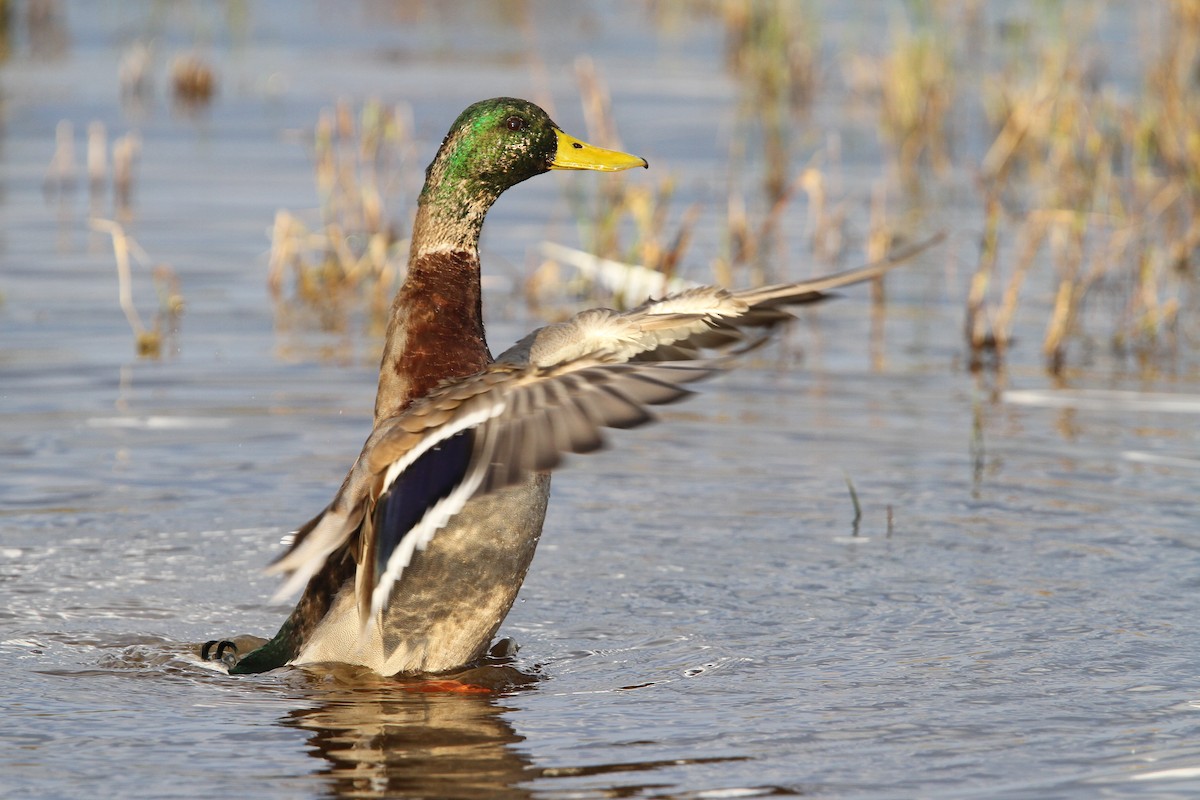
(349, 253)
(149, 342)
(630, 221)
(622, 221)
(1103, 189)
(1087, 191)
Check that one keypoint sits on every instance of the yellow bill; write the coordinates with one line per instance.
(574, 154)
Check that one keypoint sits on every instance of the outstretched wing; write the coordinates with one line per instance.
(549, 395)
(467, 438)
(686, 324)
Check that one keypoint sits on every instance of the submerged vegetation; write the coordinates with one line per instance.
(1097, 186)
(149, 341)
(1086, 180)
(607, 213)
(352, 251)
(1066, 166)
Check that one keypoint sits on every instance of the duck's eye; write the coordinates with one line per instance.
(515, 123)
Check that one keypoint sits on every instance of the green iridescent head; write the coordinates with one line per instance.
(495, 144)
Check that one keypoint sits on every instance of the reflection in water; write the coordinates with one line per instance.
(393, 737)
(386, 738)
(446, 736)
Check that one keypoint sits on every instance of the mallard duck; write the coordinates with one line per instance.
(417, 560)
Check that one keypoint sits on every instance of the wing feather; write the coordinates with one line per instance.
(690, 323)
(526, 421)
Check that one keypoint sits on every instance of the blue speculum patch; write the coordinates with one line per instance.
(429, 479)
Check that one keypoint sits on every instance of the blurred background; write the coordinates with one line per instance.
(939, 541)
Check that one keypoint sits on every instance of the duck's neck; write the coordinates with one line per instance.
(453, 202)
(449, 223)
(436, 326)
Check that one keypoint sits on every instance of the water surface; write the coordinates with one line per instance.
(1012, 616)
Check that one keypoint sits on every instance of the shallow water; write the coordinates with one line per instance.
(1012, 616)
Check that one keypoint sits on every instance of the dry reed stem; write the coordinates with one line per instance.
(125, 152)
(147, 341)
(351, 255)
(1112, 191)
(97, 158)
(60, 174)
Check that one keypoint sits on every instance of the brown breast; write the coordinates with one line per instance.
(436, 330)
